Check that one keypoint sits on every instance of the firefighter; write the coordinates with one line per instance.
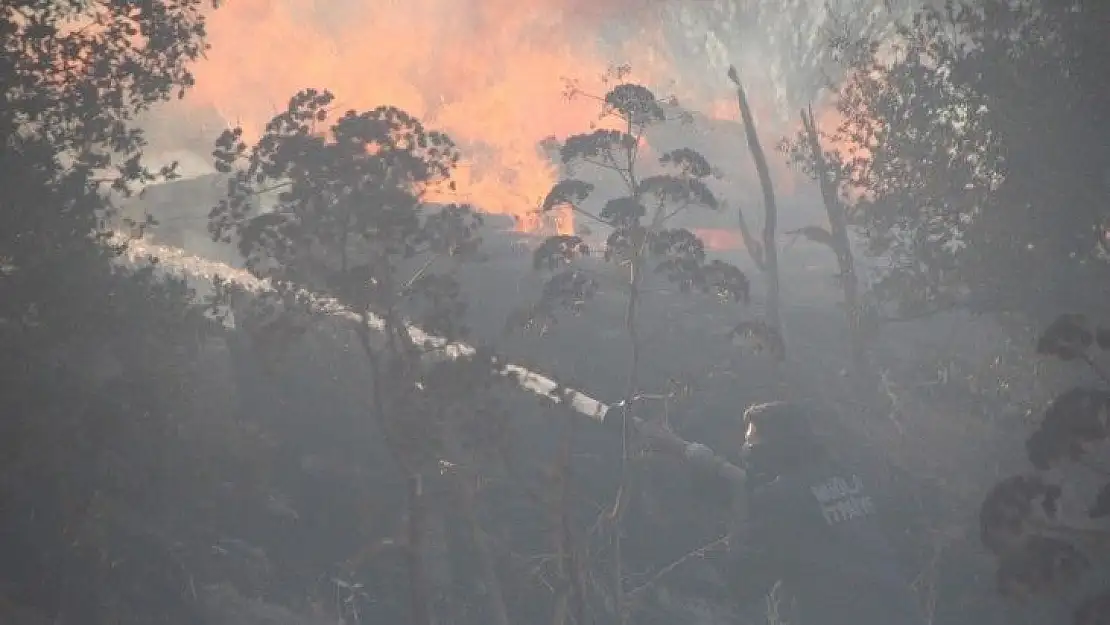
(811, 543)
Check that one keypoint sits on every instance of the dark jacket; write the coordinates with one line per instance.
(815, 533)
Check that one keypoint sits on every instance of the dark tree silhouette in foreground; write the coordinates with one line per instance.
(970, 154)
(351, 228)
(95, 365)
(1040, 550)
(74, 81)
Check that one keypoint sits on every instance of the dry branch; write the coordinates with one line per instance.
(700, 552)
(754, 247)
(769, 250)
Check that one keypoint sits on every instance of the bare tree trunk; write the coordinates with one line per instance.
(838, 228)
(486, 564)
(419, 585)
(419, 592)
(570, 598)
(769, 252)
(754, 246)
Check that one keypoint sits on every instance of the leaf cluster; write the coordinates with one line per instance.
(1071, 337)
(350, 209)
(1038, 551)
(637, 220)
(1018, 523)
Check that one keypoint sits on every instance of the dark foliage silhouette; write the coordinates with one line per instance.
(951, 146)
(98, 361)
(1039, 551)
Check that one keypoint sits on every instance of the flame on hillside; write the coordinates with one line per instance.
(490, 73)
(720, 239)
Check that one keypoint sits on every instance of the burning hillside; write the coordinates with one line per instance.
(491, 73)
(486, 72)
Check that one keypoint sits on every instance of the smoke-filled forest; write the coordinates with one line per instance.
(303, 304)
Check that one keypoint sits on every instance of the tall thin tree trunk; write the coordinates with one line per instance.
(838, 228)
(624, 492)
(419, 591)
(468, 496)
(769, 254)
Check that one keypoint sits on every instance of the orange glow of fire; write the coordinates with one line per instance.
(488, 72)
(720, 239)
(829, 120)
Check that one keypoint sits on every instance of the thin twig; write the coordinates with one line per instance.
(700, 552)
(769, 248)
(1097, 368)
(586, 213)
(419, 273)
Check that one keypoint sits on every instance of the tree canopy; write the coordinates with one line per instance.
(971, 153)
